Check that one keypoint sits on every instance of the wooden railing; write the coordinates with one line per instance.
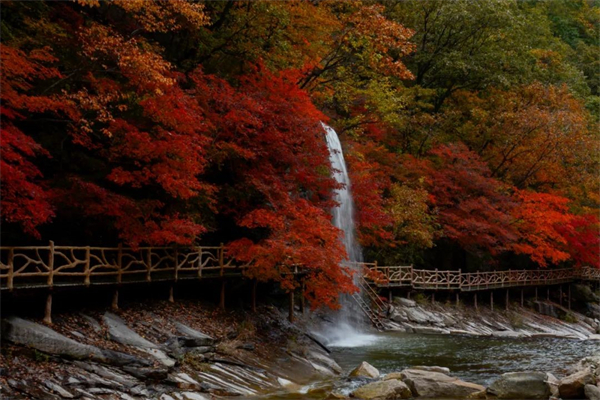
(49, 266)
(456, 280)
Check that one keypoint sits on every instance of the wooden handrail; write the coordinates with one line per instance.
(48, 266)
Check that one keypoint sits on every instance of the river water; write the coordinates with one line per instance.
(473, 359)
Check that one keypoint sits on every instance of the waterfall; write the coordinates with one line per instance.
(343, 216)
(346, 330)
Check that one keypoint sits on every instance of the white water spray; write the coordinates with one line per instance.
(345, 332)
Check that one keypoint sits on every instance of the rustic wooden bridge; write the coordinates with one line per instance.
(407, 276)
(67, 266)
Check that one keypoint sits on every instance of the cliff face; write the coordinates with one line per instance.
(186, 350)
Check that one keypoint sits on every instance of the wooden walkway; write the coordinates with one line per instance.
(407, 276)
(63, 266)
(56, 266)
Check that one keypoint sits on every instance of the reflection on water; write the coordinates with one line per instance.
(478, 360)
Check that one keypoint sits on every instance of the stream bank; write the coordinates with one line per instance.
(159, 350)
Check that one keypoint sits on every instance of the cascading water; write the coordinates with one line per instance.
(345, 332)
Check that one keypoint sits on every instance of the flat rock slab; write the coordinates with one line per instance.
(42, 338)
(436, 385)
(121, 333)
(383, 390)
(522, 385)
(200, 339)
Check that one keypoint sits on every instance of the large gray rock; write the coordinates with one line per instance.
(383, 390)
(195, 338)
(436, 385)
(121, 333)
(417, 315)
(365, 370)
(592, 392)
(44, 339)
(403, 302)
(572, 386)
(521, 385)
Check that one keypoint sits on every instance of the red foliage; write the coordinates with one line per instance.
(267, 135)
(474, 209)
(24, 197)
(582, 236)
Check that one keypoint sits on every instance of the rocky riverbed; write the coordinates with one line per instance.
(431, 382)
(158, 350)
(192, 350)
(538, 318)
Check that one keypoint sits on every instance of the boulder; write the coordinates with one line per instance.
(443, 370)
(572, 386)
(199, 338)
(398, 316)
(44, 339)
(403, 302)
(383, 390)
(121, 333)
(431, 384)
(365, 370)
(416, 315)
(592, 392)
(521, 385)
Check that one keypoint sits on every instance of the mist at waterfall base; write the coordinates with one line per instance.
(348, 322)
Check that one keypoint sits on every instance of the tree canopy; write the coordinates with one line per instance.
(469, 128)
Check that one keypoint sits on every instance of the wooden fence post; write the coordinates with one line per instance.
(457, 299)
(507, 300)
(492, 300)
(222, 272)
(302, 300)
(51, 265)
(522, 302)
(149, 265)
(115, 300)
(48, 309)
(291, 311)
(560, 294)
(569, 296)
(254, 283)
(11, 268)
(475, 301)
(87, 266)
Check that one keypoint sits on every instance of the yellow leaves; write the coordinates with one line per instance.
(410, 214)
(135, 59)
(165, 16)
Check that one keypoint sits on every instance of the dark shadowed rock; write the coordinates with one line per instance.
(147, 374)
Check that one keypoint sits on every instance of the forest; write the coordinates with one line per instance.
(471, 130)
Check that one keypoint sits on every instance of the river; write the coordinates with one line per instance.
(474, 359)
